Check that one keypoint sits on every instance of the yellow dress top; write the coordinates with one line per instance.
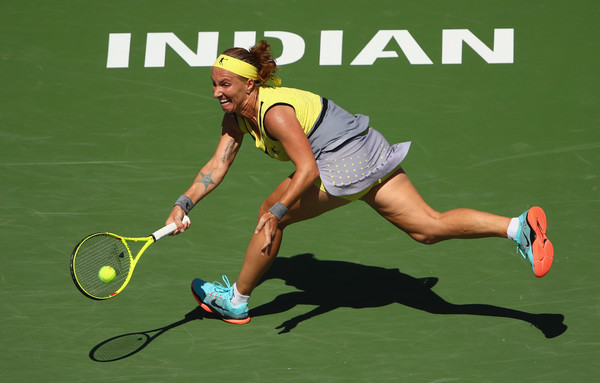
(307, 107)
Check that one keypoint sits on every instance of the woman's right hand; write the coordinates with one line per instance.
(176, 216)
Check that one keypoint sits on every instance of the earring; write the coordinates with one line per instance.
(248, 92)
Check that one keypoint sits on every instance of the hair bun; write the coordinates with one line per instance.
(259, 56)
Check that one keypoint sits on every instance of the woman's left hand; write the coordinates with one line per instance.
(268, 224)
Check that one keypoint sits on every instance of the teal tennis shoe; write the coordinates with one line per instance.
(532, 241)
(216, 298)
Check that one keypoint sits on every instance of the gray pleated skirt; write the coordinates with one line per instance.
(362, 162)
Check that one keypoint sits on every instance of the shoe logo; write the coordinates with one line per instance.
(214, 304)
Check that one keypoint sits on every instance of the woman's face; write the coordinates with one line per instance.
(230, 89)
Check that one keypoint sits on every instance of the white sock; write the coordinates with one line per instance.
(238, 299)
(511, 232)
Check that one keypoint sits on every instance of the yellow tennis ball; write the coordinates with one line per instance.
(107, 274)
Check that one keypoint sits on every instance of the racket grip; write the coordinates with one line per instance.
(168, 230)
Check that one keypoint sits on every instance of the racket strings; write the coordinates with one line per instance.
(120, 347)
(94, 253)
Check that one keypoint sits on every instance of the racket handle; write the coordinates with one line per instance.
(169, 229)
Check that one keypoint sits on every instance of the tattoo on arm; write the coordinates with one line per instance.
(228, 151)
(206, 180)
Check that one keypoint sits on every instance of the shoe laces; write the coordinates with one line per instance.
(222, 289)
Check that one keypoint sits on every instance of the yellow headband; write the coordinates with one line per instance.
(236, 66)
(242, 68)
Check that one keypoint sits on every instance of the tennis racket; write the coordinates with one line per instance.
(102, 250)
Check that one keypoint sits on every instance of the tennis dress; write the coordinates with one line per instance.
(351, 156)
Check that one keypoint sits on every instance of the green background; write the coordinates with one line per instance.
(85, 149)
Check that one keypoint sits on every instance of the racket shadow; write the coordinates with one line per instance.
(329, 285)
(126, 345)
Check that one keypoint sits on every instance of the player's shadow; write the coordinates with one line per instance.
(329, 285)
(126, 345)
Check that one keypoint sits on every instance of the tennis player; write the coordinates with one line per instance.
(338, 159)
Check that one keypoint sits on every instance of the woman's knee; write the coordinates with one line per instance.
(426, 238)
(429, 229)
(264, 207)
(432, 228)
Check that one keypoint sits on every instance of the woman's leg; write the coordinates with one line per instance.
(312, 203)
(399, 202)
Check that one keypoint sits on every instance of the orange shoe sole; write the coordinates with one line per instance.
(541, 248)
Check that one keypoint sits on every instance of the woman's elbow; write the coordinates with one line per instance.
(313, 173)
(309, 172)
